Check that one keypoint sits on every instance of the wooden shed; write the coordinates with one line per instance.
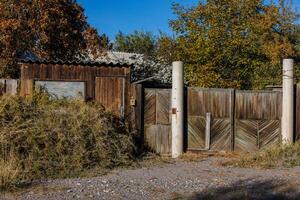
(104, 82)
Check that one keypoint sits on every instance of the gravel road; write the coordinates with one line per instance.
(205, 179)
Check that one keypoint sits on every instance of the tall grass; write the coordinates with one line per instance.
(282, 156)
(59, 138)
(9, 173)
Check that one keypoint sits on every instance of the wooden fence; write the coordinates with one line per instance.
(238, 120)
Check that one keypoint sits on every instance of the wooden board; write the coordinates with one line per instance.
(157, 123)
(252, 135)
(109, 91)
(2, 86)
(217, 102)
(258, 105)
(258, 117)
(297, 113)
(220, 136)
(196, 132)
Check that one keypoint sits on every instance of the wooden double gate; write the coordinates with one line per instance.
(239, 120)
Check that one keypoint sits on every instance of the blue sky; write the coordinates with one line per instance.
(110, 16)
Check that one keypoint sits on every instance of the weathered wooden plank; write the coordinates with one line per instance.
(163, 106)
(269, 133)
(165, 138)
(257, 105)
(196, 132)
(220, 135)
(150, 107)
(246, 135)
(232, 118)
(207, 131)
(214, 101)
(297, 118)
(150, 136)
(2, 86)
(105, 87)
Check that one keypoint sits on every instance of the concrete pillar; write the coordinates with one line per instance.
(287, 124)
(177, 109)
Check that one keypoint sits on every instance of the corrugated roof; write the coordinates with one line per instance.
(78, 62)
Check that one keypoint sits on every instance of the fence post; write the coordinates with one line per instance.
(287, 130)
(177, 109)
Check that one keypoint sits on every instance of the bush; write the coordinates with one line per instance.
(281, 156)
(60, 138)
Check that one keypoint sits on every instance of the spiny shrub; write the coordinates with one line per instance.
(280, 156)
(60, 138)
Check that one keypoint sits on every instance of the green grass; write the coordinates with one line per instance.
(44, 138)
(284, 156)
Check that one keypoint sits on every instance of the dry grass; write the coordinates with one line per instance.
(60, 138)
(197, 156)
(8, 174)
(285, 156)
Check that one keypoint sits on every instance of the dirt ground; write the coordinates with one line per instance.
(182, 179)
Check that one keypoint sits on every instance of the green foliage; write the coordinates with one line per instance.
(234, 43)
(149, 56)
(281, 156)
(137, 42)
(59, 138)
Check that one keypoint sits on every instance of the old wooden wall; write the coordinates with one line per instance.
(114, 88)
(68, 72)
(107, 84)
(157, 121)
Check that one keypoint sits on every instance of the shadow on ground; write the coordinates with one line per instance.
(251, 189)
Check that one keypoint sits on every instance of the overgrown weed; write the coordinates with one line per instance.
(284, 156)
(52, 138)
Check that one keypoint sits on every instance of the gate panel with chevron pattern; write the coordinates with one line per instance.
(243, 121)
(217, 102)
(257, 120)
(240, 120)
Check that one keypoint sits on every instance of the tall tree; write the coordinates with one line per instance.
(53, 29)
(136, 42)
(234, 43)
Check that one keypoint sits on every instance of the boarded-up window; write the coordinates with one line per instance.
(63, 89)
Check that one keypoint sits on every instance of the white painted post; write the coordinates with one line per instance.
(287, 123)
(177, 109)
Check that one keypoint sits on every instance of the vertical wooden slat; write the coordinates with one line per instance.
(232, 117)
(297, 113)
(207, 131)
